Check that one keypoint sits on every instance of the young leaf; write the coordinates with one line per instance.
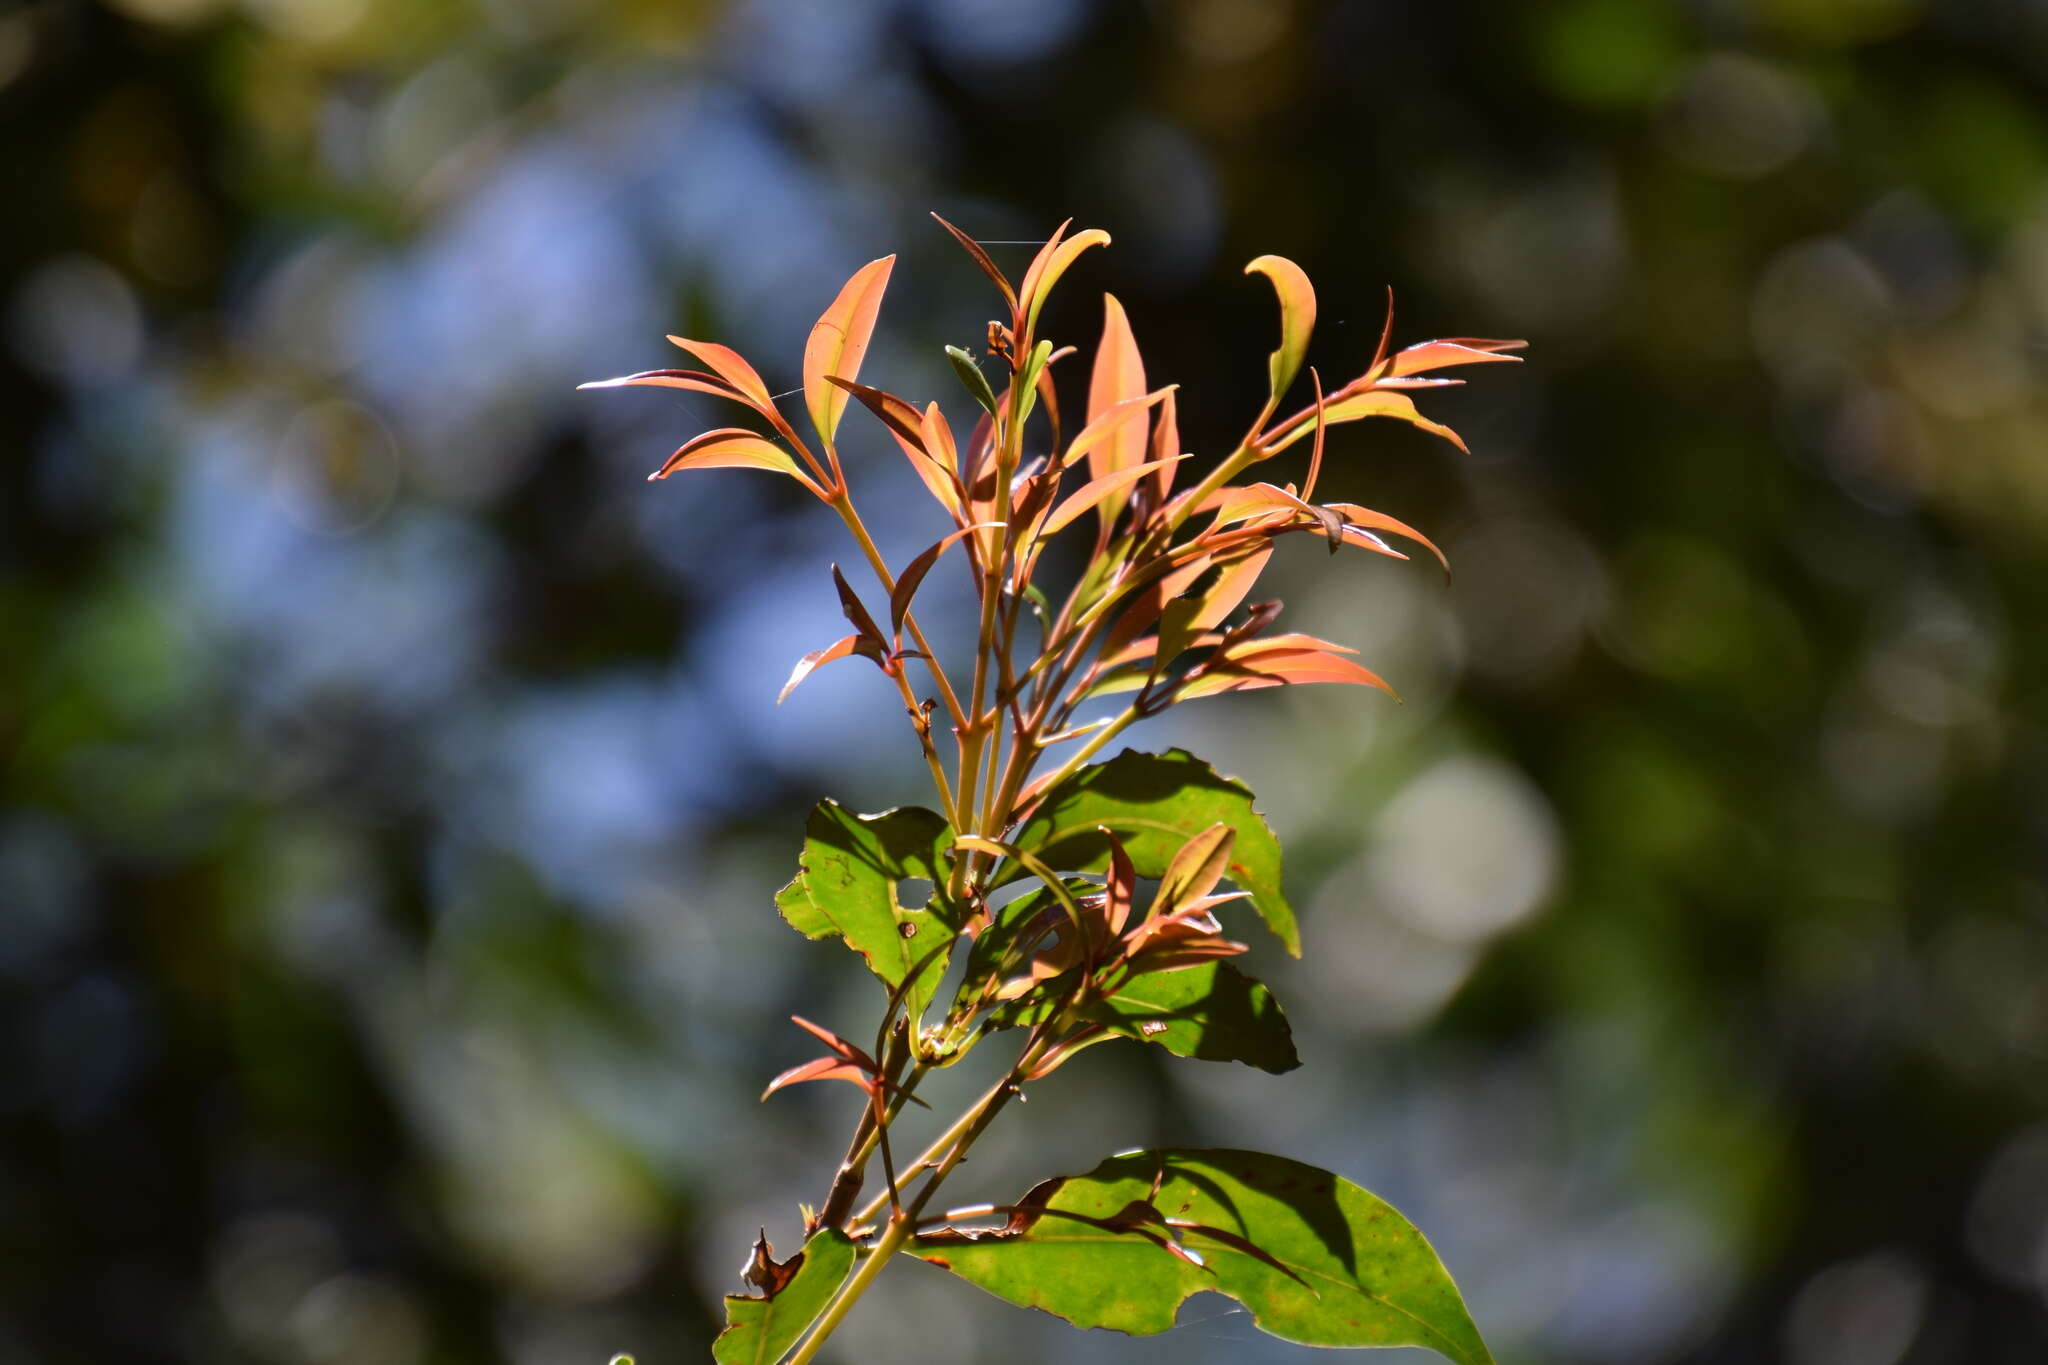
(913, 573)
(1370, 403)
(1315, 1258)
(1155, 803)
(980, 258)
(847, 885)
(816, 659)
(1119, 374)
(1028, 380)
(840, 341)
(760, 1330)
(1046, 268)
(1297, 319)
(971, 376)
(1102, 491)
(1105, 424)
(1440, 355)
(730, 366)
(733, 448)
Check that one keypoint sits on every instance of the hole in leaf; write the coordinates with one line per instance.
(913, 893)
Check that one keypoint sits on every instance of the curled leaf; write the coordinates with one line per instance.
(981, 258)
(1297, 319)
(1047, 267)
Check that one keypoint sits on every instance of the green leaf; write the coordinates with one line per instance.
(847, 885)
(1211, 1012)
(759, 1331)
(992, 950)
(1316, 1259)
(976, 382)
(1155, 803)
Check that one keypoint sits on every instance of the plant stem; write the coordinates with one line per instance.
(903, 1224)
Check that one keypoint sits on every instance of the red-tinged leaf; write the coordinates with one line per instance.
(821, 1069)
(938, 439)
(1119, 374)
(1291, 642)
(1045, 272)
(1276, 668)
(1441, 355)
(1297, 319)
(980, 258)
(839, 342)
(1165, 445)
(734, 448)
(697, 381)
(1105, 424)
(913, 575)
(1355, 515)
(729, 366)
(1147, 602)
(816, 659)
(850, 603)
(899, 415)
(834, 1041)
(1370, 403)
(1194, 871)
(1036, 270)
(1122, 889)
(1147, 647)
(1238, 574)
(1097, 491)
(1049, 394)
(1315, 455)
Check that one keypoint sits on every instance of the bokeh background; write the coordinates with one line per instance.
(394, 794)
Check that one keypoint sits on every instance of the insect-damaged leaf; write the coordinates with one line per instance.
(1297, 318)
(1155, 803)
(1317, 1259)
(1211, 1012)
(847, 885)
(840, 341)
(759, 1330)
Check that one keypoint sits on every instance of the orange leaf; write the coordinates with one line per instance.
(729, 366)
(1119, 374)
(1238, 573)
(733, 448)
(1439, 355)
(1099, 491)
(839, 342)
(697, 381)
(1105, 424)
(1297, 319)
(1370, 403)
(1165, 443)
(1051, 263)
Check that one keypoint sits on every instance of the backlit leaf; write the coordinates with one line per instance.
(1119, 374)
(970, 374)
(848, 884)
(733, 448)
(1047, 267)
(816, 659)
(913, 575)
(1101, 491)
(730, 366)
(1315, 1258)
(1155, 803)
(1439, 355)
(1371, 403)
(840, 341)
(1297, 319)
(759, 1331)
